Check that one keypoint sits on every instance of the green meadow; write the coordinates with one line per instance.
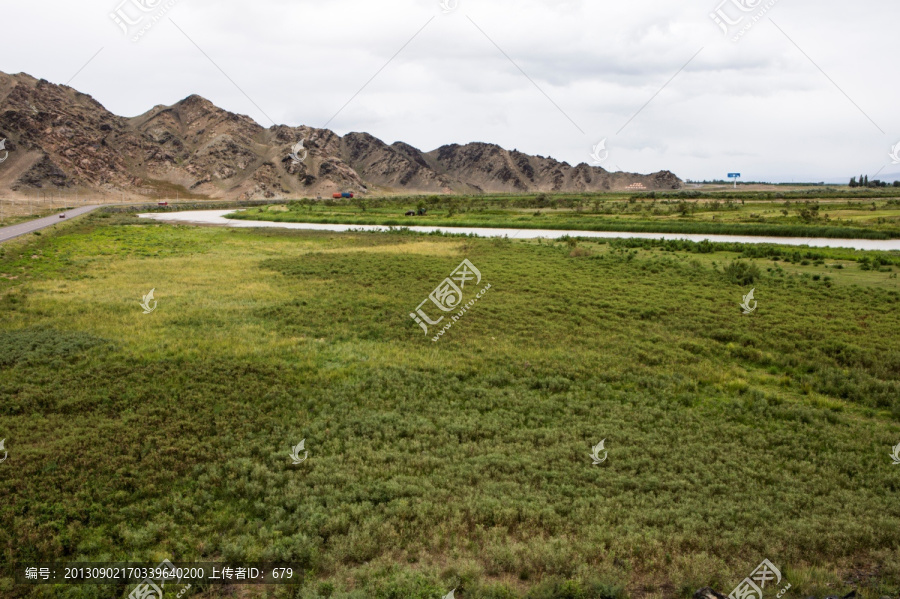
(458, 464)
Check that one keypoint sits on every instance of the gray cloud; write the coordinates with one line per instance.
(758, 106)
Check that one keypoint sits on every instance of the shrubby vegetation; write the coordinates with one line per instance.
(458, 464)
(742, 273)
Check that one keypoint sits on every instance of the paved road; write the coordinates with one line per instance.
(7, 233)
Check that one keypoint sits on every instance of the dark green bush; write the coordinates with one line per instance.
(742, 273)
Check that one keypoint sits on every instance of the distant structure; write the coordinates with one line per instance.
(636, 187)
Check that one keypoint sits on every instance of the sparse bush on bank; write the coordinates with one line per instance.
(742, 273)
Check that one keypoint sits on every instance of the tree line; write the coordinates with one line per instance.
(864, 182)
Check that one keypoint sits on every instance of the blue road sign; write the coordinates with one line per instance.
(733, 175)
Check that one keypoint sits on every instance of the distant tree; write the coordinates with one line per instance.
(896, 183)
(809, 212)
(853, 182)
(866, 184)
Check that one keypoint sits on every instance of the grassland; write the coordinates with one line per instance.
(462, 463)
(869, 215)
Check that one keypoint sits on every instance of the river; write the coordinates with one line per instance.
(217, 217)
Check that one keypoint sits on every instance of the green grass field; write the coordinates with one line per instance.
(461, 463)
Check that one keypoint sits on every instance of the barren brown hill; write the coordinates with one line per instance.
(59, 138)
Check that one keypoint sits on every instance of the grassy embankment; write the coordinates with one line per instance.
(462, 463)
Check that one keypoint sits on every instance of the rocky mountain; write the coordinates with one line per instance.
(58, 138)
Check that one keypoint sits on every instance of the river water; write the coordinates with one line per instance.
(217, 217)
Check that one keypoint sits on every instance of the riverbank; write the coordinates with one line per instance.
(682, 213)
(227, 218)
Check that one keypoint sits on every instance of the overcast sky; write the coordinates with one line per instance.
(548, 77)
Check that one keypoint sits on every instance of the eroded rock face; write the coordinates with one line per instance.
(64, 139)
(45, 173)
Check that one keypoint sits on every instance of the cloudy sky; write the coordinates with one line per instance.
(797, 90)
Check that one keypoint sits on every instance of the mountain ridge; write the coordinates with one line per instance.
(59, 138)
